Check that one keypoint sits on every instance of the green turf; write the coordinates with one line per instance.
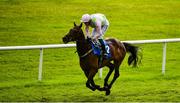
(36, 22)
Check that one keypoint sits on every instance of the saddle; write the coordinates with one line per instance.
(97, 49)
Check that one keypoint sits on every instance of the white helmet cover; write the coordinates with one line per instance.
(85, 18)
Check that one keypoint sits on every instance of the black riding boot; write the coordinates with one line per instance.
(103, 52)
(103, 46)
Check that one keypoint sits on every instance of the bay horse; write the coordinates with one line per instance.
(89, 61)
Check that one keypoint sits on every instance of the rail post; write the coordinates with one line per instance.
(164, 58)
(100, 72)
(40, 64)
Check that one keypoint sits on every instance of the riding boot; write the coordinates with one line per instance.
(103, 47)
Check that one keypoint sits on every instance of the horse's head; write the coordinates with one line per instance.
(74, 34)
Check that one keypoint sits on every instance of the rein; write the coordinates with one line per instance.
(82, 56)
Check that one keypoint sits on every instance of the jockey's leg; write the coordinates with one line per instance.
(102, 45)
(104, 29)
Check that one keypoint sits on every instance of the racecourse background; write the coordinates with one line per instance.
(36, 22)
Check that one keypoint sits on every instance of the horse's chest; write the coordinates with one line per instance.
(88, 63)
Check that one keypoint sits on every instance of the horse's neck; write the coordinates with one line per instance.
(82, 47)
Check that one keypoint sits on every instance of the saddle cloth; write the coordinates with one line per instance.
(97, 50)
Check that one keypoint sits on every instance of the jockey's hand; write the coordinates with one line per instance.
(88, 35)
(89, 39)
(95, 37)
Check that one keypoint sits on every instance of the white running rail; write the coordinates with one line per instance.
(41, 47)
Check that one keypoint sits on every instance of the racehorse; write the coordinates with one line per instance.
(89, 61)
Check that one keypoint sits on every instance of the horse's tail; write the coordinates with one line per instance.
(134, 54)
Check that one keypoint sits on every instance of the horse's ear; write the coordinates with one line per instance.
(75, 24)
(80, 25)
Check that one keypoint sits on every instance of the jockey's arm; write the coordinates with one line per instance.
(98, 31)
(87, 31)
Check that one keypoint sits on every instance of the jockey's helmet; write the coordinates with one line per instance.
(85, 18)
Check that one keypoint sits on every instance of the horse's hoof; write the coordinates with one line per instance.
(108, 92)
(93, 89)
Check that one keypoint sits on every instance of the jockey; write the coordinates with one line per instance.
(100, 24)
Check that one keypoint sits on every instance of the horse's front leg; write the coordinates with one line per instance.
(97, 86)
(90, 82)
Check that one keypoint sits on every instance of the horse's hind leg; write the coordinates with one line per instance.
(111, 68)
(116, 75)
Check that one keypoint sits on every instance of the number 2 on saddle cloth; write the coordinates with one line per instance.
(97, 50)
